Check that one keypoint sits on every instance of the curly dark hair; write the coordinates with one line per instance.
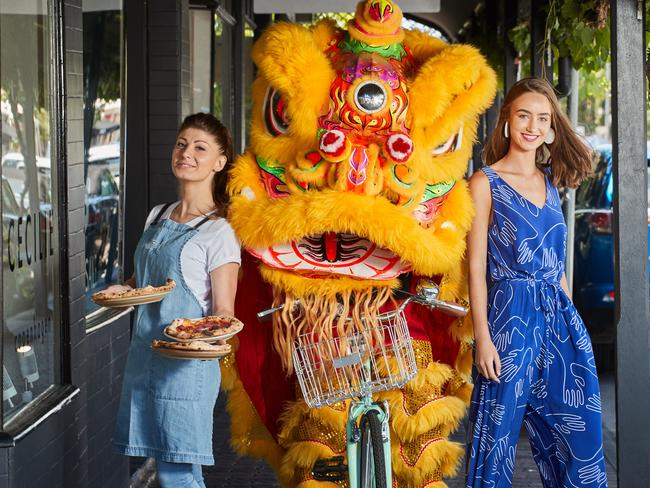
(213, 126)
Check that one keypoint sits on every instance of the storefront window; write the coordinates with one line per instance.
(221, 66)
(201, 26)
(102, 28)
(29, 210)
(210, 63)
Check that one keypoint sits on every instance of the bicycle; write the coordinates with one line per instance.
(354, 367)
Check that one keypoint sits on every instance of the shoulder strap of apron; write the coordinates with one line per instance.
(161, 212)
(202, 222)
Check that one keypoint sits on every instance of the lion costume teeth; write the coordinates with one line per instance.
(354, 176)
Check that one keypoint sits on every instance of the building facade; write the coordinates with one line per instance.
(91, 95)
(92, 92)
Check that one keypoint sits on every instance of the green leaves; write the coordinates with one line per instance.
(588, 46)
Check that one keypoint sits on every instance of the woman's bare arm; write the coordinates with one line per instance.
(127, 285)
(565, 285)
(486, 358)
(224, 288)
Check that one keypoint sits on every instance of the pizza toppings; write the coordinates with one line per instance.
(212, 326)
(135, 292)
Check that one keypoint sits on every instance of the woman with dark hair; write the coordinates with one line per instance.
(533, 355)
(166, 408)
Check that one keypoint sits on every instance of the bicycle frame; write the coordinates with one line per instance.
(356, 410)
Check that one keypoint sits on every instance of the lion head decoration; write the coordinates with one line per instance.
(358, 145)
(353, 178)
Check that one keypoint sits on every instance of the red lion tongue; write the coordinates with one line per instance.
(330, 246)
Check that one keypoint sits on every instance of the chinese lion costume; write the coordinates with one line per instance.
(359, 142)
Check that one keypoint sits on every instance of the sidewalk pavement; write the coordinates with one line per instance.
(232, 471)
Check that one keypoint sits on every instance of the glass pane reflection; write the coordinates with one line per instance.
(29, 233)
(102, 123)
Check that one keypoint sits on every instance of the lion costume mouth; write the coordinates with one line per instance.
(316, 235)
(334, 253)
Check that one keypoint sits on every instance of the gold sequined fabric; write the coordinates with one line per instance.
(411, 451)
(423, 354)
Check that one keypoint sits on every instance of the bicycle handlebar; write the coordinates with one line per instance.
(427, 296)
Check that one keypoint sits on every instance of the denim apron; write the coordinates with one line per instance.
(166, 408)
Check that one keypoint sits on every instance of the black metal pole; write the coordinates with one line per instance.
(509, 10)
(631, 243)
(541, 59)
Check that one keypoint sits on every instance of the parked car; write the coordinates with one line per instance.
(593, 282)
(13, 170)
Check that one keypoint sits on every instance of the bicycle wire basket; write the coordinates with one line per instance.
(335, 369)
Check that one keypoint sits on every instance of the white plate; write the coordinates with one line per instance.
(120, 302)
(180, 354)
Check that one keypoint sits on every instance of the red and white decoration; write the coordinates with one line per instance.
(400, 147)
(333, 144)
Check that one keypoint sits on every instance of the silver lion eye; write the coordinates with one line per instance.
(370, 97)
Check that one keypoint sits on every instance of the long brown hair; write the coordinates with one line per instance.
(213, 126)
(568, 156)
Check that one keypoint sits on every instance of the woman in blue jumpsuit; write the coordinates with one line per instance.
(166, 408)
(533, 356)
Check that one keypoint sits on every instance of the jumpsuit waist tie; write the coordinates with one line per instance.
(547, 297)
(547, 293)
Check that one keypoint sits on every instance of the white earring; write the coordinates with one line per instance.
(550, 137)
(506, 132)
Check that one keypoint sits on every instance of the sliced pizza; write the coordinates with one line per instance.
(135, 292)
(210, 327)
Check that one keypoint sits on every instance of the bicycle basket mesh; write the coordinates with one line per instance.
(378, 357)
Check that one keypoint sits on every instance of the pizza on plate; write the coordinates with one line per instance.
(136, 292)
(212, 326)
(191, 346)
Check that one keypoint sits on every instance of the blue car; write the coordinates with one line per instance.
(593, 282)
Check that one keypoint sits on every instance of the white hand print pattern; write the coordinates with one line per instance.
(548, 377)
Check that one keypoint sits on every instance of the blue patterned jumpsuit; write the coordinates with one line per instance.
(548, 377)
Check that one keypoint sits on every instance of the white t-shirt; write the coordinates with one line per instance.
(214, 245)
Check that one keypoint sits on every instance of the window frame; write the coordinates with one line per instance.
(61, 392)
(103, 316)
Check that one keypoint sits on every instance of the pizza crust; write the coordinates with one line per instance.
(212, 326)
(136, 292)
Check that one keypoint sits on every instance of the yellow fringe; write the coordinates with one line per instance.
(298, 412)
(249, 436)
(444, 413)
(441, 455)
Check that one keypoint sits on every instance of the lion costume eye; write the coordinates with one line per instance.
(450, 145)
(275, 116)
(370, 97)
